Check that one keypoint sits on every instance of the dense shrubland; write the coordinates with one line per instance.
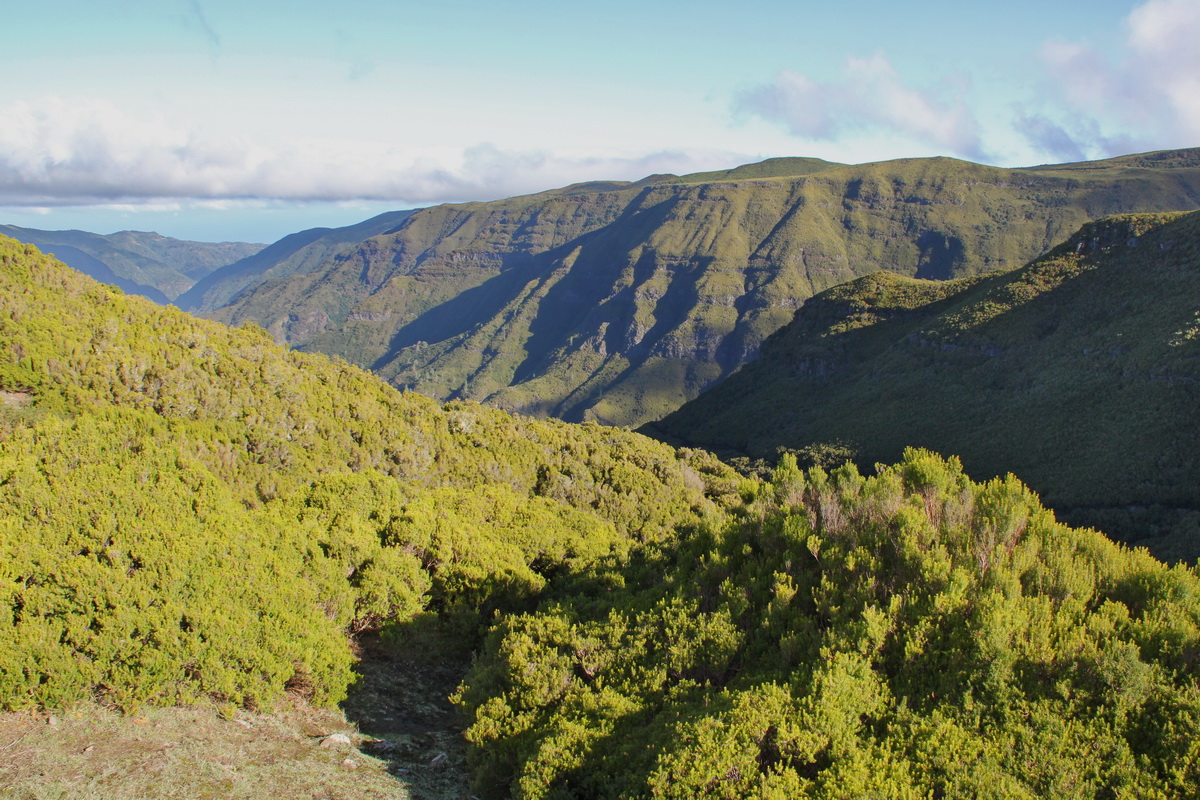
(910, 634)
(190, 511)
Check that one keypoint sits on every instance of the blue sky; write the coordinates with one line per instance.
(248, 120)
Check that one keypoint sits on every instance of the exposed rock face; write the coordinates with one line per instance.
(619, 302)
(336, 740)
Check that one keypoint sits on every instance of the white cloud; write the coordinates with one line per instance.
(1144, 96)
(56, 152)
(869, 96)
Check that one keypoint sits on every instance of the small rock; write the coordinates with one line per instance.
(350, 763)
(243, 723)
(308, 729)
(89, 748)
(381, 745)
(440, 760)
(336, 740)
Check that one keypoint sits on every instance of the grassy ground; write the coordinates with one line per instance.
(405, 743)
(186, 753)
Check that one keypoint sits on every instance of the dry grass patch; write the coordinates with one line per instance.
(188, 753)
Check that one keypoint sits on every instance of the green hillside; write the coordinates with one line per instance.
(193, 513)
(907, 635)
(298, 252)
(619, 302)
(1078, 372)
(189, 511)
(148, 264)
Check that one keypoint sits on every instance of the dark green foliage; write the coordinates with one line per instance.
(619, 302)
(190, 511)
(912, 634)
(1078, 372)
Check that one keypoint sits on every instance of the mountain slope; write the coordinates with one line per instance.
(618, 302)
(298, 252)
(147, 264)
(189, 511)
(1080, 372)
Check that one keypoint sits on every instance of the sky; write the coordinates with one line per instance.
(246, 120)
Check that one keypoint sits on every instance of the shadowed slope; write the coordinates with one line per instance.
(619, 302)
(1080, 372)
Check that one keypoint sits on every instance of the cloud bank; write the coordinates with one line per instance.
(869, 97)
(57, 152)
(1090, 104)
(1145, 96)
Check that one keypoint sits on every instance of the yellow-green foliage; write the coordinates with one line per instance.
(190, 511)
(912, 634)
(130, 572)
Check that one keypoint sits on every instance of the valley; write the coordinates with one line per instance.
(156, 267)
(619, 302)
(1077, 372)
(217, 551)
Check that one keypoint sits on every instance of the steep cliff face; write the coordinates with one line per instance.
(1080, 372)
(619, 302)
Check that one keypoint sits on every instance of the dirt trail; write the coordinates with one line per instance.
(402, 702)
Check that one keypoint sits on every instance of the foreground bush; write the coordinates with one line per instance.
(911, 634)
(189, 511)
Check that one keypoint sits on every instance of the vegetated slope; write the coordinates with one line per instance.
(620, 302)
(298, 252)
(908, 635)
(1079, 372)
(147, 264)
(191, 511)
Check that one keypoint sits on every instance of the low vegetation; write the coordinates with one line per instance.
(190, 514)
(188, 511)
(910, 634)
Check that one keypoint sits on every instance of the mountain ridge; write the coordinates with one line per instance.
(138, 262)
(293, 253)
(1079, 372)
(620, 302)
